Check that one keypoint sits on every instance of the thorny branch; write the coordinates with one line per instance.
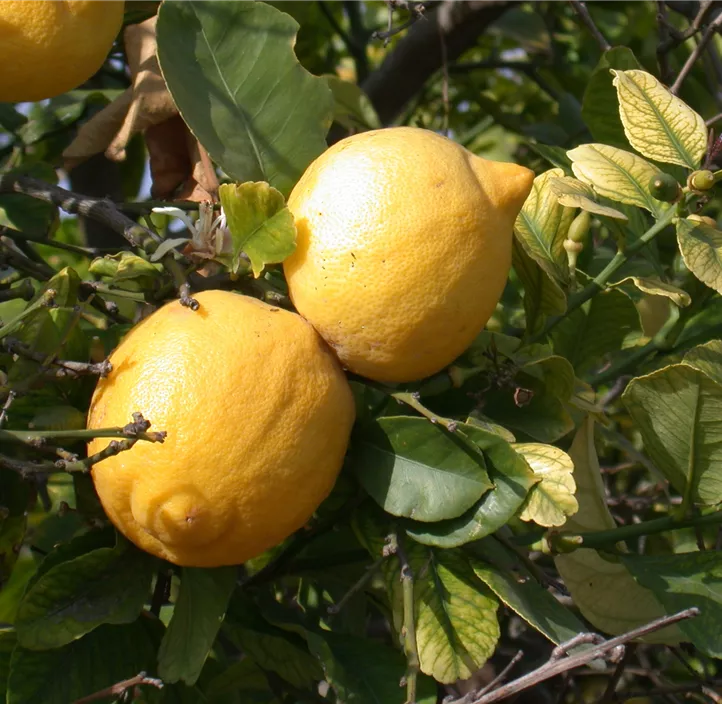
(560, 662)
(120, 688)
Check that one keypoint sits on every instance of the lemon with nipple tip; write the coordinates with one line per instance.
(258, 414)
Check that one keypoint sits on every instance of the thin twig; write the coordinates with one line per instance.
(503, 674)
(100, 210)
(612, 648)
(696, 53)
(357, 586)
(6, 407)
(120, 688)
(586, 18)
(416, 10)
(69, 369)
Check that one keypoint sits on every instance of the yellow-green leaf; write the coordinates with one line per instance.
(603, 589)
(701, 247)
(616, 174)
(656, 287)
(659, 125)
(542, 227)
(551, 500)
(260, 223)
(542, 294)
(575, 194)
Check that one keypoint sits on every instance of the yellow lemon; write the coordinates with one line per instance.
(258, 414)
(404, 248)
(49, 47)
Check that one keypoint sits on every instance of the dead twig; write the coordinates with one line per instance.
(612, 649)
(416, 10)
(120, 688)
(709, 32)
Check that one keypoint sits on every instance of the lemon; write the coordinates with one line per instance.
(48, 48)
(258, 414)
(403, 248)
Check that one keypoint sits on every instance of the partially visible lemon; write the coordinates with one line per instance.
(258, 414)
(50, 47)
(404, 248)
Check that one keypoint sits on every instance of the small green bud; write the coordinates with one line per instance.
(665, 188)
(700, 180)
(580, 227)
(562, 543)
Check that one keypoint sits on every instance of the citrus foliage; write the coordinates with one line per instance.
(470, 502)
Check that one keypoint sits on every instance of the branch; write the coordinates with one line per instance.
(101, 210)
(598, 284)
(408, 630)
(586, 18)
(69, 369)
(560, 663)
(120, 688)
(418, 55)
(696, 53)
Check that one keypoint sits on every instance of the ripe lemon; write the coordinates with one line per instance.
(403, 248)
(48, 48)
(258, 414)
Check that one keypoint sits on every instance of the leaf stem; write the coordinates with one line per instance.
(600, 281)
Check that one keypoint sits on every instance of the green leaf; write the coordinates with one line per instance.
(231, 70)
(707, 358)
(599, 105)
(454, 613)
(415, 469)
(576, 194)
(260, 224)
(551, 500)
(124, 266)
(542, 295)
(503, 572)
(363, 671)
(270, 647)
(680, 581)
(657, 287)
(678, 411)
(352, 107)
(512, 479)
(602, 588)
(657, 124)
(107, 585)
(198, 614)
(243, 682)
(542, 225)
(103, 657)
(701, 247)
(617, 174)
(603, 325)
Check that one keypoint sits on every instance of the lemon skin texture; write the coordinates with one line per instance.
(48, 48)
(258, 413)
(403, 248)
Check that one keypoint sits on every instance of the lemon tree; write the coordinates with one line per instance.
(348, 350)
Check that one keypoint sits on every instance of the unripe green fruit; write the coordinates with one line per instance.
(701, 180)
(664, 187)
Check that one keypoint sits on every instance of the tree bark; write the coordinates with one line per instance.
(418, 55)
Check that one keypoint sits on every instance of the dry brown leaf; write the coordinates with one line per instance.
(179, 165)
